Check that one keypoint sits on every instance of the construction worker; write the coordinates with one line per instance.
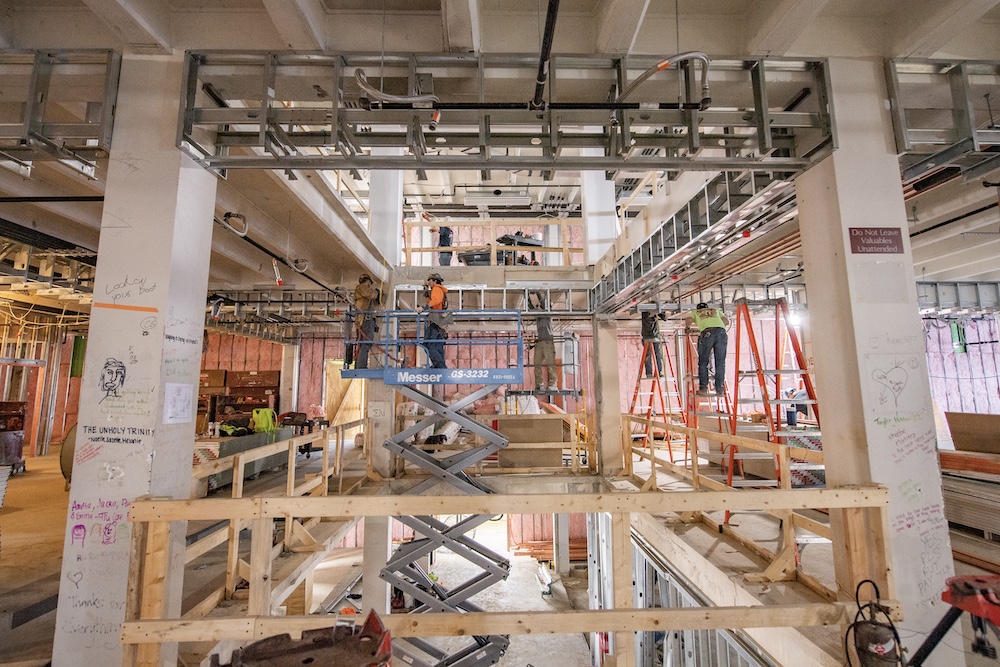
(651, 334)
(366, 298)
(445, 235)
(712, 340)
(545, 346)
(437, 300)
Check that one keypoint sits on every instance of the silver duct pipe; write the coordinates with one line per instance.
(706, 99)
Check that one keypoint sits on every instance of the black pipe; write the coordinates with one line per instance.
(280, 259)
(955, 219)
(545, 55)
(527, 106)
(53, 198)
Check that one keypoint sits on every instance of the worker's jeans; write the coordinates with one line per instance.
(366, 332)
(658, 353)
(711, 341)
(435, 337)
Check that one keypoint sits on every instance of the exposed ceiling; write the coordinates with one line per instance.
(951, 243)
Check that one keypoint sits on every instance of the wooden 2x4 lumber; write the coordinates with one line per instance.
(510, 623)
(654, 501)
(801, 453)
(970, 461)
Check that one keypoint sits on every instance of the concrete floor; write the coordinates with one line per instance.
(519, 592)
(32, 527)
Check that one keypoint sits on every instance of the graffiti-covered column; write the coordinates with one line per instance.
(137, 400)
(871, 371)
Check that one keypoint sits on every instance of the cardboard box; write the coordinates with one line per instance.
(974, 432)
(531, 430)
(212, 379)
(253, 379)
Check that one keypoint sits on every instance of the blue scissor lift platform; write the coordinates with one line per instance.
(497, 336)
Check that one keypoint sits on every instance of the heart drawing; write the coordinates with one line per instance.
(893, 379)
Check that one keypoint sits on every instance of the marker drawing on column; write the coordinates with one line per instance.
(112, 378)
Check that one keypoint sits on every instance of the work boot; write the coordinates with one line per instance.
(704, 392)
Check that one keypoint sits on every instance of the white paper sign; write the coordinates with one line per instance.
(178, 403)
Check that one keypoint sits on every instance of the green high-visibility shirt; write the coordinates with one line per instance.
(706, 318)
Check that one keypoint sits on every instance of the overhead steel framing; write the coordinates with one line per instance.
(59, 105)
(728, 212)
(946, 115)
(307, 111)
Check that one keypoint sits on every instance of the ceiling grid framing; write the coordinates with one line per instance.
(483, 125)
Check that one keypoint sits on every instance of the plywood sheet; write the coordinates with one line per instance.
(974, 432)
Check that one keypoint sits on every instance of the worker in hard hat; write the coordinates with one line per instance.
(435, 334)
(366, 299)
(712, 342)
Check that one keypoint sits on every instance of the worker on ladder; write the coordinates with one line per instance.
(651, 334)
(712, 341)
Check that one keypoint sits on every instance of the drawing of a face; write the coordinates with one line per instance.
(108, 534)
(79, 532)
(112, 378)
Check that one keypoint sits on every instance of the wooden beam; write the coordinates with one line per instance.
(656, 502)
(260, 566)
(522, 623)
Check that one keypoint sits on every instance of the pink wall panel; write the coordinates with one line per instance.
(964, 382)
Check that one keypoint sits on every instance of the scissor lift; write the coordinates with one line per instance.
(401, 344)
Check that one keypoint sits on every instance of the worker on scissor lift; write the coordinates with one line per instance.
(545, 346)
(437, 300)
(366, 298)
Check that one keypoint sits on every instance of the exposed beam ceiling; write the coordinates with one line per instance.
(921, 34)
(144, 25)
(618, 24)
(777, 24)
(300, 23)
(461, 26)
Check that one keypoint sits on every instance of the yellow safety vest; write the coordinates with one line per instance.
(706, 318)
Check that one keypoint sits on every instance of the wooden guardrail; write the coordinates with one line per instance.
(146, 625)
(328, 442)
(481, 236)
(785, 563)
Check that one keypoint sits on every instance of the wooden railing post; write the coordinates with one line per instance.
(261, 542)
(154, 587)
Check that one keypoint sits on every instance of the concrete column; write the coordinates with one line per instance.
(606, 395)
(560, 543)
(378, 548)
(138, 395)
(597, 195)
(385, 203)
(874, 397)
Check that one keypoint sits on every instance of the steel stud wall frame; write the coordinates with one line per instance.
(306, 111)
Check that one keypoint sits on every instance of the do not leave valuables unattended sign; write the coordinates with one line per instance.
(876, 240)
